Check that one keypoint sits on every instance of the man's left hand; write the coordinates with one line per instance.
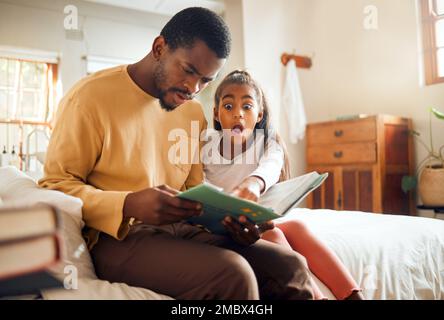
(244, 231)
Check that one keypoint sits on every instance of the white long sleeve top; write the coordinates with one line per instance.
(265, 163)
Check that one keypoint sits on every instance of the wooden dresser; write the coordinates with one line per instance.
(366, 159)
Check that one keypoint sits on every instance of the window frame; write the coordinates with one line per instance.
(32, 127)
(50, 103)
(429, 19)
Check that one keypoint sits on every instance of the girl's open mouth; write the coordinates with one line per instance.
(237, 129)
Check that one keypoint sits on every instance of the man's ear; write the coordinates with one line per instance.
(159, 47)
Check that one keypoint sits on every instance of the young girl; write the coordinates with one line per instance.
(246, 157)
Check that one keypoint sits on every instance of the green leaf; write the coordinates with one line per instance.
(408, 183)
(438, 114)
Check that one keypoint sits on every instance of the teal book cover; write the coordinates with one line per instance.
(218, 204)
(275, 203)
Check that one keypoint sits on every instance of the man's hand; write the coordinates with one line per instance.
(244, 231)
(250, 189)
(157, 206)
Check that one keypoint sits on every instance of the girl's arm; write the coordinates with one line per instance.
(250, 188)
(266, 174)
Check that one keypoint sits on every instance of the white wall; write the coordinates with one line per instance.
(234, 13)
(368, 71)
(269, 31)
(234, 18)
(354, 70)
(108, 31)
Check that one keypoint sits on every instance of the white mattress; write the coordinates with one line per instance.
(390, 256)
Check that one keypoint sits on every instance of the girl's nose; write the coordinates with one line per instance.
(238, 114)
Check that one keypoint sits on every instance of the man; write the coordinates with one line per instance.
(110, 148)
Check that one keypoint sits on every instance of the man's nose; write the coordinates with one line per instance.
(193, 87)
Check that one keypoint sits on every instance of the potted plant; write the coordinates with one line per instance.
(430, 170)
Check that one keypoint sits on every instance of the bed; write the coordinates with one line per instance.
(391, 257)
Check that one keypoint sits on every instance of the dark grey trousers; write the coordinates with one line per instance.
(186, 262)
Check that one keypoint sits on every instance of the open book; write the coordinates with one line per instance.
(275, 203)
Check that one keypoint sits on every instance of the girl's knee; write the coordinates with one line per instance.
(293, 226)
(276, 235)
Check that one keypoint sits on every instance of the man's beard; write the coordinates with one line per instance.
(165, 106)
(159, 80)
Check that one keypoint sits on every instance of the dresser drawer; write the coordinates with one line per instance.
(344, 153)
(341, 132)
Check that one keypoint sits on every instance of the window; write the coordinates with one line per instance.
(433, 39)
(97, 63)
(25, 90)
(27, 106)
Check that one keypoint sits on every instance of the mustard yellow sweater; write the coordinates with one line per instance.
(111, 138)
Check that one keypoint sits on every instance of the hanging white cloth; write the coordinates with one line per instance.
(293, 104)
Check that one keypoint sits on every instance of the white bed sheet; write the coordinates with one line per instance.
(390, 256)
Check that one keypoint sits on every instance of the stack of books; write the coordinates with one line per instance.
(29, 245)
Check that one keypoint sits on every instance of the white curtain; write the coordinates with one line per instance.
(293, 104)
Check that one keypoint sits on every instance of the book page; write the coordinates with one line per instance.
(285, 195)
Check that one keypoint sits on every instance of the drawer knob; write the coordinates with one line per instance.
(338, 154)
(339, 133)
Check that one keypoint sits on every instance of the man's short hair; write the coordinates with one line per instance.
(198, 23)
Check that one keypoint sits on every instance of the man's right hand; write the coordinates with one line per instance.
(159, 205)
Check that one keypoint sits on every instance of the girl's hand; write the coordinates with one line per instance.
(244, 231)
(250, 188)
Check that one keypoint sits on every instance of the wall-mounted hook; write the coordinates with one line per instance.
(301, 61)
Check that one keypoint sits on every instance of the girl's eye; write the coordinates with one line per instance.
(228, 106)
(248, 106)
(188, 71)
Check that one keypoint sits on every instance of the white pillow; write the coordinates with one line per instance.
(88, 286)
(17, 189)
